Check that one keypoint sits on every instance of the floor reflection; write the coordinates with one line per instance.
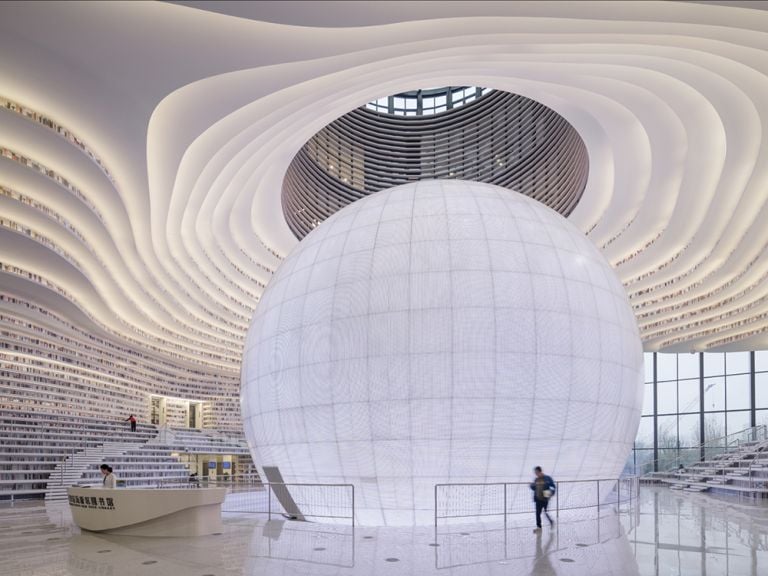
(680, 534)
(586, 545)
(666, 534)
(304, 542)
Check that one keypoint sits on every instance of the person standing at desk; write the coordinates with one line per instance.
(109, 480)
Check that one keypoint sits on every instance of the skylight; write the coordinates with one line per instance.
(427, 102)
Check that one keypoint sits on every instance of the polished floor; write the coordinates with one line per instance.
(666, 533)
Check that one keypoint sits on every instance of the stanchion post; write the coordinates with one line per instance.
(353, 505)
(637, 489)
(269, 501)
(598, 499)
(436, 506)
(505, 512)
(506, 535)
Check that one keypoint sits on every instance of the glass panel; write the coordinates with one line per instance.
(762, 417)
(688, 391)
(714, 434)
(648, 400)
(667, 397)
(667, 431)
(714, 364)
(645, 433)
(689, 430)
(440, 101)
(737, 421)
(648, 357)
(668, 459)
(761, 390)
(714, 426)
(411, 104)
(761, 361)
(666, 366)
(440, 109)
(643, 461)
(688, 366)
(737, 363)
(689, 456)
(737, 389)
(714, 394)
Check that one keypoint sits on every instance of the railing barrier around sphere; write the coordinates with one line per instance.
(335, 502)
(477, 501)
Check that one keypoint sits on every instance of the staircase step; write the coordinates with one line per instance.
(62, 455)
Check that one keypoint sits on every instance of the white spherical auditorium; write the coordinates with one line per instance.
(441, 332)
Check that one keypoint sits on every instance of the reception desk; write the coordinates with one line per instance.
(148, 511)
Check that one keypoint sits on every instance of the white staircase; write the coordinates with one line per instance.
(70, 470)
(744, 470)
(42, 454)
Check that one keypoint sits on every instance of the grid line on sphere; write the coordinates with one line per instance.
(323, 416)
(518, 222)
(413, 423)
(378, 466)
(451, 439)
(354, 254)
(493, 407)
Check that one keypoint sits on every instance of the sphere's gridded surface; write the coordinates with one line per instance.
(436, 332)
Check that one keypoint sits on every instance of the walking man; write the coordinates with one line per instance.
(543, 489)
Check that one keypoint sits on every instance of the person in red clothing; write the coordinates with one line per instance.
(132, 420)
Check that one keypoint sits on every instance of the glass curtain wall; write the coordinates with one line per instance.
(695, 399)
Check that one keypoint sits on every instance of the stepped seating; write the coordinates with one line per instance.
(201, 442)
(157, 464)
(43, 454)
(71, 470)
(744, 470)
(142, 466)
(33, 444)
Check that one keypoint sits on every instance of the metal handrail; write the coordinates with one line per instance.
(749, 475)
(270, 487)
(254, 481)
(755, 431)
(707, 468)
(633, 493)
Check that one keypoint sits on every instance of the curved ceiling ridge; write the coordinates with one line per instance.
(667, 99)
